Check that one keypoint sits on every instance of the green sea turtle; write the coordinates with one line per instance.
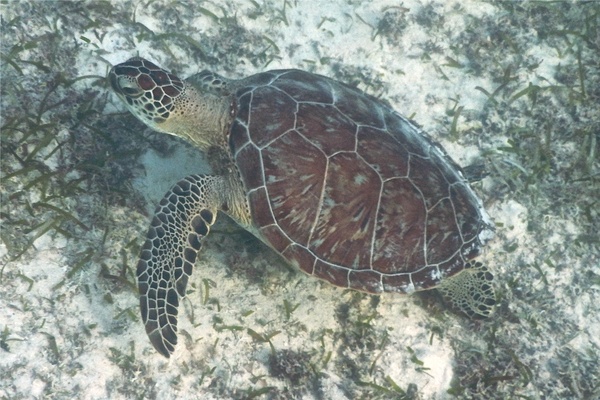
(332, 179)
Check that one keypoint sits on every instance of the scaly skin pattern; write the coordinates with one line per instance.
(181, 220)
(340, 185)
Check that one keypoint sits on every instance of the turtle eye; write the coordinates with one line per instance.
(130, 88)
(132, 92)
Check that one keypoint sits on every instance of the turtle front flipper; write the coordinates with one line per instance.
(181, 220)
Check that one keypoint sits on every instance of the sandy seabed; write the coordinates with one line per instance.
(511, 85)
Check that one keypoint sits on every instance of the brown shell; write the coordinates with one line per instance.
(347, 189)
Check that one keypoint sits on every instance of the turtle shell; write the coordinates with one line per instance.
(347, 189)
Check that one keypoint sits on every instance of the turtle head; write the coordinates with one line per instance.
(149, 92)
(163, 101)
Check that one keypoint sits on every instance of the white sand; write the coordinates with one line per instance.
(85, 324)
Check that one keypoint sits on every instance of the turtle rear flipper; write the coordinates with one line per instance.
(181, 220)
(470, 291)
